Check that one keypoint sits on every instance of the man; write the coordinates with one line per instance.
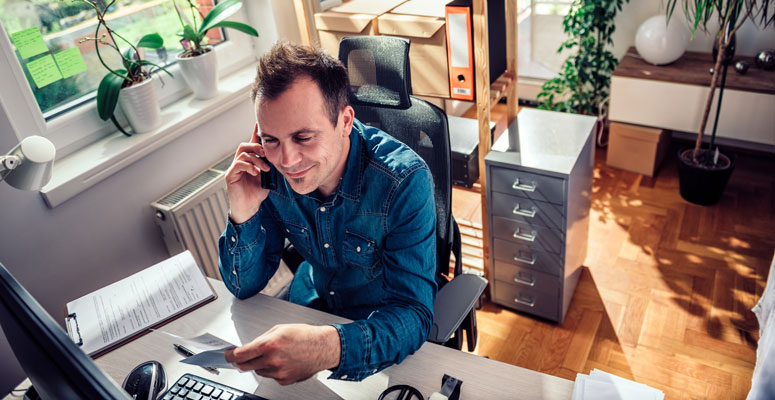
(356, 203)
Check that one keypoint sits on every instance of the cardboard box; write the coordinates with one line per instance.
(636, 148)
(352, 18)
(427, 51)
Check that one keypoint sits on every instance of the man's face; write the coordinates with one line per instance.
(299, 139)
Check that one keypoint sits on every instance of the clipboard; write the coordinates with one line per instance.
(125, 310)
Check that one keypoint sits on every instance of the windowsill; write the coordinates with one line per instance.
(90, 165)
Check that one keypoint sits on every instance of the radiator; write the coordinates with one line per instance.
(193, 216)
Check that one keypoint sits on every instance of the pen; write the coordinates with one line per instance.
(188, 353)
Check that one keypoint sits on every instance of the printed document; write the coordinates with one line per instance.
(130, 306)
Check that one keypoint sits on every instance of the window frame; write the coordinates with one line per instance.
(80, 126)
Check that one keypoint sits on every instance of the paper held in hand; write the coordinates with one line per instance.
(125, 309)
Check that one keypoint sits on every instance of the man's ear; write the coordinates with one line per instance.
(347, 116)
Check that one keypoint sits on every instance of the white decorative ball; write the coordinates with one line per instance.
(659, 43)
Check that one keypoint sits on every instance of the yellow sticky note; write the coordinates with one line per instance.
(70, 62)
(29, 42)
(44, 71)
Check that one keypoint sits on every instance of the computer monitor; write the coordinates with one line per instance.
(57, 367)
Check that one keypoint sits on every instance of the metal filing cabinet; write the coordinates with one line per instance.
(539, 181)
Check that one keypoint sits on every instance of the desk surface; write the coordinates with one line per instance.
(240, 321)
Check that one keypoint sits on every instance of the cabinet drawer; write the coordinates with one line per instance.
(527, 300)
(537, 213)
(526, 278)
(528, 235)
(523, 256)
(528, 185)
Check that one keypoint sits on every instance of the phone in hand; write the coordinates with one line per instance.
(268, 179)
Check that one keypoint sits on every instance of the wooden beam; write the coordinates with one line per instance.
(512, 37)
(305, 16)
(482, 78)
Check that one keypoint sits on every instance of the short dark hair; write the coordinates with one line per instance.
(279, 68)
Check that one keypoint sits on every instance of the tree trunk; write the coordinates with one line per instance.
(722, 48)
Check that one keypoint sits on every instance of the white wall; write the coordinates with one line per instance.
(750, 39)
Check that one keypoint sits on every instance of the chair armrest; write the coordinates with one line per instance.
(453, 303)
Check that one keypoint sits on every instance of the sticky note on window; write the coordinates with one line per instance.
(70, 62)
(44, 71)
(29, 42)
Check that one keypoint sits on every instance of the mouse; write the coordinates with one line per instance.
(146, 381)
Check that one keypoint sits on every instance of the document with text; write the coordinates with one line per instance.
(129, 307)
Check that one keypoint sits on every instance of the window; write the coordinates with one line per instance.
(65, 107)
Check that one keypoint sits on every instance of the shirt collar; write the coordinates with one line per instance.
(350, 186)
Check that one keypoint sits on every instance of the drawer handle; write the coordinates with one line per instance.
(530, 302)
(523, 212)
(523, 186)
(530, 237)
(519, 258)
(530, 282)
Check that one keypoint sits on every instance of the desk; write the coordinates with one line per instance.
(242, 320)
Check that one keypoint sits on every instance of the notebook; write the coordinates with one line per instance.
(128, 308)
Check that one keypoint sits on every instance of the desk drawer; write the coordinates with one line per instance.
(537, 213)
(523, 256)
(526, 278)
(528, 185)
(528, 235)
(527, 300)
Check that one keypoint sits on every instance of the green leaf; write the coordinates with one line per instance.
(151, 41)
(188, 33)
(219, 13)
(244, 28)
(115, 122)
(107, 94)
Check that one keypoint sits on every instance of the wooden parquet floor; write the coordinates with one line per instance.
(667, 287)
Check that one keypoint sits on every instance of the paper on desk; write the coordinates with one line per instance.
(367, 389)
(206, 341)
(600, 385)
(210, 358)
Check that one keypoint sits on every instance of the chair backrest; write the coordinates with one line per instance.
(380, 93)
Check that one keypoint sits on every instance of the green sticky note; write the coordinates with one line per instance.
(70, 62)
(44, 71)
(29, 42)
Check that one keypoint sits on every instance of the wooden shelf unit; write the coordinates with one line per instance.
(486, 95)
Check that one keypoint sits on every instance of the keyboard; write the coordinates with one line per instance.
(193, 387)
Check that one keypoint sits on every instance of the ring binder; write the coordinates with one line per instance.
(72, 317)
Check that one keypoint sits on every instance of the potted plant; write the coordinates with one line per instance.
(582, 86)
(197, 60)
(131, 86)
(703, 173)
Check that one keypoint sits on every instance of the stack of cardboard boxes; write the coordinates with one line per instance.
(421, 21)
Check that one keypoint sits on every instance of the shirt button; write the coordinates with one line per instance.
(234, 271)
(287, 230)
(322, 209)
(375, 371)
(344, 376)
(326, 245)
(233, 239)
(332, 293)
(358, 249)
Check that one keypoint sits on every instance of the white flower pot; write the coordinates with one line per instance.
(200, 73)
(141, 106)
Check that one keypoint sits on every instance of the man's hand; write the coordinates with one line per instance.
(243, 180)
(289, 353)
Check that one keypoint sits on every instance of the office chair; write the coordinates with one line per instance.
(380, 93)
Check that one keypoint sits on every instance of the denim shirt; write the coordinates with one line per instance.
(371, 246)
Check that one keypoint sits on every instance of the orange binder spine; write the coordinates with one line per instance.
(460, 55)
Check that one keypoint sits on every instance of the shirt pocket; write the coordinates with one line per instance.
(361, 252)
(298, 235)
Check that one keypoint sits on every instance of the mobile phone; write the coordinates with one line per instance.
(268, 178)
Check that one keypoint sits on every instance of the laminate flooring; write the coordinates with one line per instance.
(666, 290)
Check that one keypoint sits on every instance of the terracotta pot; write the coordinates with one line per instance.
(141, 106)
(200, 73)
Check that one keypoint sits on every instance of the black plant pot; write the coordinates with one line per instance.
(700, 184)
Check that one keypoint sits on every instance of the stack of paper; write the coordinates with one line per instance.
(600, 385)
